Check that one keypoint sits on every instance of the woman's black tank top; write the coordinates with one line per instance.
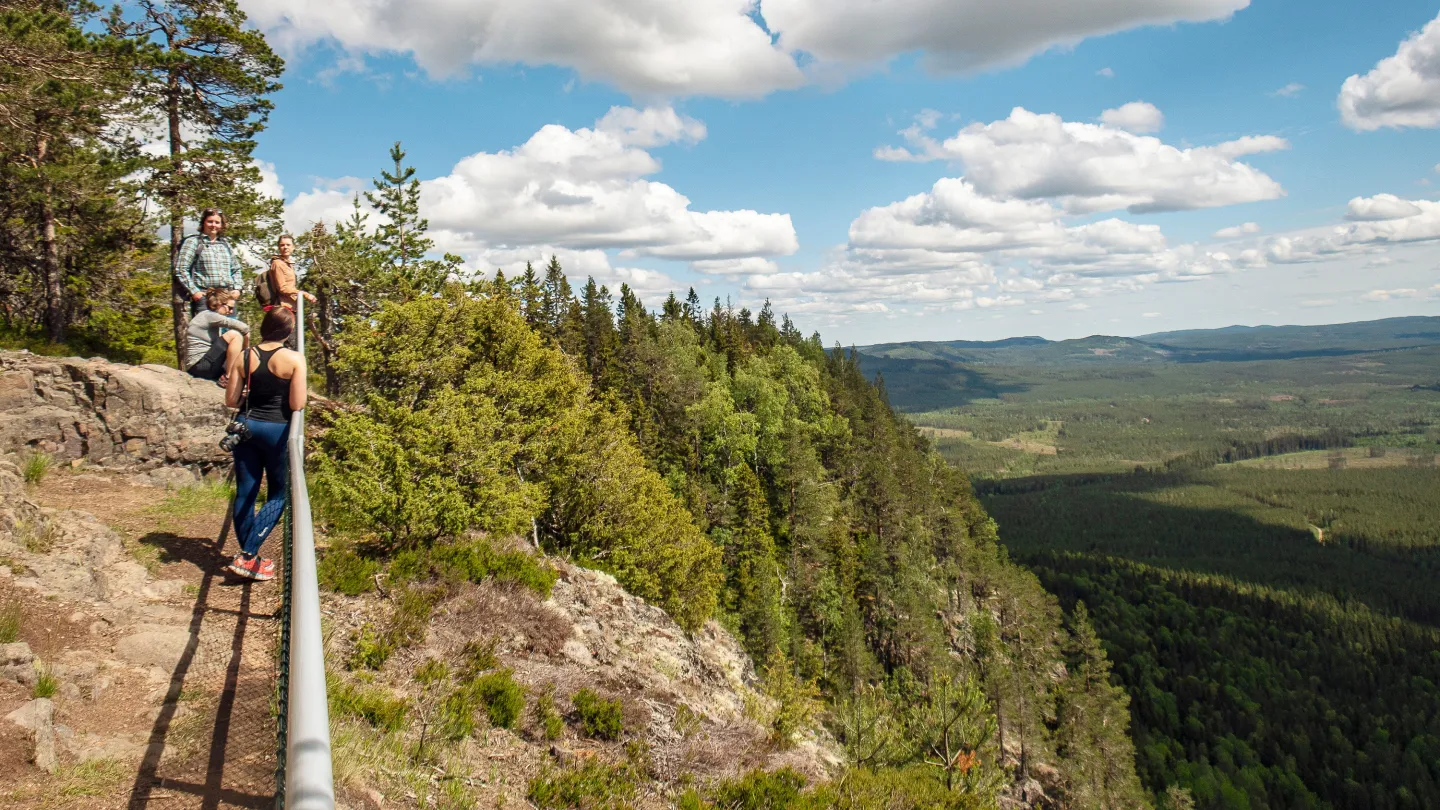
(269, 397)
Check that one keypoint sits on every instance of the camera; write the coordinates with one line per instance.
(235, 433)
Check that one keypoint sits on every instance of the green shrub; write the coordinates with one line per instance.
(761, 790)
(10, 618)
(478, 655)
(375, 706)
(372, 649)
(503, 698)
(592, 785)
(45, 686)
(551, 724)
(476, 560)
(602, 719)
(344, 571)
(456, 717)
(36, 467)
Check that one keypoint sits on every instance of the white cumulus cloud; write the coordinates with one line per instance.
(1237, 231)
(1380, 207)
(1095, 167)
(1376, 223)
(1386, 295)
(730, 48)
(585, 191)
(1140, 117)
(966, 34)
(1402, 90)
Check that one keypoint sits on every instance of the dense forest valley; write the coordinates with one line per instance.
(1252, 518)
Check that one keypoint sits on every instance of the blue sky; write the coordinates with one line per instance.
(1051, 222)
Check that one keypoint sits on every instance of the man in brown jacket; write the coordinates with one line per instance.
(282, 275)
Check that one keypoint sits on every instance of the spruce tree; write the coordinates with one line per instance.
(206, 79)
(401, 242)
(528, 288)
(555, 297)
(598, 328)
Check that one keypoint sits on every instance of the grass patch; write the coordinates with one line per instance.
(37, 536)
(148, 554)
(36, 466)
(592, 785)
(600, 718)
(373, 705)
(408, 624)
(364, 756)
(10, 619)
(196, 499)
(549, 720)
(45, 686)
(98, 777)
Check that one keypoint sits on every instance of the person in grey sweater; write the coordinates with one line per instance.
(208, 349)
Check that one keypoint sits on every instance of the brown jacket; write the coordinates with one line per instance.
(282, 276)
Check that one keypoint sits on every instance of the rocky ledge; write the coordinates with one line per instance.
(109, 413)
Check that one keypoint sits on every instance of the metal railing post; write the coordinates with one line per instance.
(309, 780)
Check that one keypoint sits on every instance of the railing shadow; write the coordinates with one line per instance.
(150, 784)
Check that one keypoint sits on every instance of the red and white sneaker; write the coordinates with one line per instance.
(254, 568)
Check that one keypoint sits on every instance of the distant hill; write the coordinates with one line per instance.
(1231, 343)
(921, 375)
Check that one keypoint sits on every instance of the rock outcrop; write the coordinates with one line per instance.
(109, 413)
(38, 718)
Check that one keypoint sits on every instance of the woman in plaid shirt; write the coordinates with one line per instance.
(207, 262)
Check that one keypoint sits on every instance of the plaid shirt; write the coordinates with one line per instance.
(204, 263)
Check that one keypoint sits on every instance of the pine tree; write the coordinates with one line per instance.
(528, 288)
(401, 241)
(70, 212)
(206, 78)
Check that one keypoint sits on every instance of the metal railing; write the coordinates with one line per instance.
(304, 780)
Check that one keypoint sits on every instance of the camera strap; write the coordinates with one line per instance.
(245, 380)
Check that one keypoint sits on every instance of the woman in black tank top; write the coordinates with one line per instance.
(275, 378)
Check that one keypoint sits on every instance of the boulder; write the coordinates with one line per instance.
(109, 413)
(38, 717)
(17, 663)
(154, 646)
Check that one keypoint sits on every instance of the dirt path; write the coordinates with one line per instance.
(194, 728)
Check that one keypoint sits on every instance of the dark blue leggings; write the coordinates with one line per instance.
(264, 452)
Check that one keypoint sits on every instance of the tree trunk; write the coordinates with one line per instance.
(325, 330)
(50, 252)
(179, 301)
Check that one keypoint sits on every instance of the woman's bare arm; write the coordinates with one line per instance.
(235, 382)
(299, 391)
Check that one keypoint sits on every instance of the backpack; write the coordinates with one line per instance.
(265, 293)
